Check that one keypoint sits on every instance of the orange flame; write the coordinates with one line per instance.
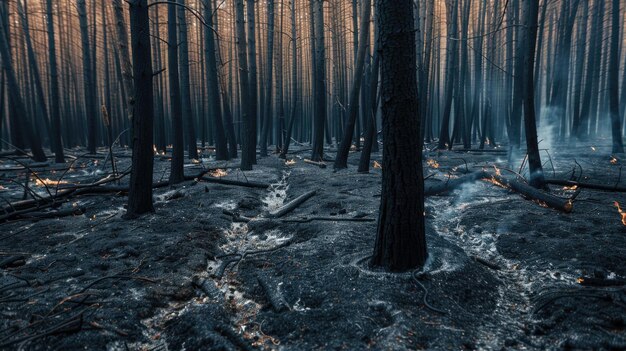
(290, 162)
(218, 173)
(432, 163)
(621, 212)
(49, 182)
(377, 165)
(572, 188)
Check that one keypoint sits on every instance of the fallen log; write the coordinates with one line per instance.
(571, 183)
(600, 282)
(329, 219)
(273, 293)
(13, 261)
(292, 205)
(311, 162)
(53, 214)
(453, 184)
(486, 263)
(234, 182)
(537, 195)
(208, 287)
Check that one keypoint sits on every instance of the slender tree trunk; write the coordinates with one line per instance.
(400, 241)
(177, 174)
(269, 71)
(252, 95)
(140, 192)
(341, 160)
(320, 83)
(55, 98)
(528, 46)
(89, 84)
(616, 123)
(295, 101)
(185, 90)
(247, 144)
(444, 132)
(23, 127)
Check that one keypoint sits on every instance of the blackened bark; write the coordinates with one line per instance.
(320, 82)
(616, 123)
(178, 153)
(89, 84)
(221, 149)
(55, 98)
(400, 242)
(140, 191)
(246, 112)
(183, 54)
(531, 13)
(341, 160)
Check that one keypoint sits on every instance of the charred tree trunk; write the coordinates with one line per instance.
(269, 70)
(616, 123)
(252, 95)
(444, 132)
(140, 191)
(246, 111)
(89, 84)
(341, 160)
(294, 81)
(221, 149)
(320, 82)
(183, 54)
(178, 153)
(528, 46)
(21, 122)
(55, 98)
(126, 65)
(400, 241)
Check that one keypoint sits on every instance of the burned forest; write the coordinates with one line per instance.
(312, 175)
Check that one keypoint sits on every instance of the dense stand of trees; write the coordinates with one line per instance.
(230, 75)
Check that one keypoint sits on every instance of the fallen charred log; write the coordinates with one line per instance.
(571, 183)
(539, 196)
(292, 205)
(234, 182)
(273, 293)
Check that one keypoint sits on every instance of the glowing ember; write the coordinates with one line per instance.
(195, 161)
(593, 149)
(580, 280)
(377, 165)
(571, 188)
(613, 160)
(154, 149)
(290, 162)
(3, 188)
(218, 173)
(432, 163)
(621, 212)
(49, 182)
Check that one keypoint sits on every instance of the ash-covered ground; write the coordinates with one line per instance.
(212, 270)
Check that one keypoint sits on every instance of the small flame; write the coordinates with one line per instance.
(571, 188)
(290, 162)
(377, 165)
(49, 182)
(218, 173)
(498, 173)
(580, 280)
(432, 163)
(613, 160)
(154, 149)
(195, 161)
(621, 212)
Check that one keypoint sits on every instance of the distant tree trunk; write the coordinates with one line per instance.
(269, 70)
(177, 174)
(400, 241)
(341, 160)
(246, 110)
(444, 132)
(295, 101)
(89, 84)
(320, 82)
(23, 127)
(252, 101)
(370, 131)
(140, 192)
(221, 149)
(55, 98)
(616, 123)
(126, 65)
(528, 46)
(183, 54)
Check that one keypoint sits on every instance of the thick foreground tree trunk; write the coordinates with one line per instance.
(140, 191)
(400, 241)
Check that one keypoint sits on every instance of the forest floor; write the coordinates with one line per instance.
(211, 269)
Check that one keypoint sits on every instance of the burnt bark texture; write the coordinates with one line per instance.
(400, 241)
(140, 191)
